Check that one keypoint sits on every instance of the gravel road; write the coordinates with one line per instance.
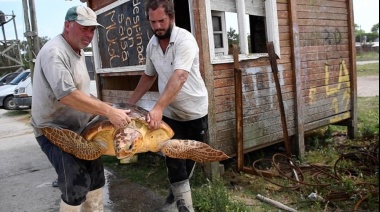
(369, 85)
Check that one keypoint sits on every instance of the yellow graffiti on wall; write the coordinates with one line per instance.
(312, 94)
(344, 79)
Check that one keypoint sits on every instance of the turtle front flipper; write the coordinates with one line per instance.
(189, 149)
(72, 143)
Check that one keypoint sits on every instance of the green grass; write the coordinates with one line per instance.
(367, 70)
(368, 116)
(367, 56)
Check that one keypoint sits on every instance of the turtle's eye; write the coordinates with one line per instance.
(130, 146)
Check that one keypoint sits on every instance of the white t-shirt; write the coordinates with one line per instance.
(182, 53)
(59, 70)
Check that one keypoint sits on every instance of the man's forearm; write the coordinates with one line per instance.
(81, 102)
(143, 86)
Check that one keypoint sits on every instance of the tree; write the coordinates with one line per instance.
(371, 36)
(375, 28)
(233, 37)
(359, 33)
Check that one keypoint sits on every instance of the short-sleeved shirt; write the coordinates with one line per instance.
(59, 70)
(182, 53)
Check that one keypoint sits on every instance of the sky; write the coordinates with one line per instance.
(50, 16)
(366, 13)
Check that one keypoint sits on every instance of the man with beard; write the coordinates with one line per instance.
(173, 57)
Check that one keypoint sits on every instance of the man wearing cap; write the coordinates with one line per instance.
(61, 99)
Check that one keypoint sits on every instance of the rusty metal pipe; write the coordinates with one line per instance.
(273, 62)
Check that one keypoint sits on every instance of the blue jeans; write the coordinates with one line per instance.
(76, 177)
(179, 169)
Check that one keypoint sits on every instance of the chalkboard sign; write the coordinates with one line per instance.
(126, 34)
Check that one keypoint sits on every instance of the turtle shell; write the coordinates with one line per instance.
(132, 139)
(101, 137)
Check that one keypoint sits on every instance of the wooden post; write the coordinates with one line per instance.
(298, 147)
(28, 35)
(352, 127)
(36, 39)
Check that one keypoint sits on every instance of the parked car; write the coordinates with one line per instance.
(7, 78)
(23, 93)
(7, 91)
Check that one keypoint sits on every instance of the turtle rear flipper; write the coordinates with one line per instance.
(72, 143)
(189, 149)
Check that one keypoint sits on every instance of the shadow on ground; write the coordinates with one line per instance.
(125, 195)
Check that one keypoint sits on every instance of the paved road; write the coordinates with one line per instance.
(366, 62)
(369, 85)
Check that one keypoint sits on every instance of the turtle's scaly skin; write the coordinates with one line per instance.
(194, 150)
(101, 138)
(73, 143)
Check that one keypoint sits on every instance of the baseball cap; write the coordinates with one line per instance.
(82, 15)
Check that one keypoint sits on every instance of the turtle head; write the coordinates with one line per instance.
(127, 141)
(137, 137)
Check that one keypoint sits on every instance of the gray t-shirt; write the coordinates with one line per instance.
(182, 53)
(59, 70)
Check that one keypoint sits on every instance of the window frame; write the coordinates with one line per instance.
(223, 33)
(272, 32)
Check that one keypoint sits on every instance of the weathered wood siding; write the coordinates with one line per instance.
(322, 86)
(324, 49)
(325, 56)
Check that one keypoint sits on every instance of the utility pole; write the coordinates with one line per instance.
(31, 33)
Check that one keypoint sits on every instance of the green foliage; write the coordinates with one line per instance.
(371, 36)
(233, 36)
(214, 197)
(375, 28)
(368, 117)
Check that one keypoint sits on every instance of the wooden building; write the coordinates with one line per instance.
(313, 42)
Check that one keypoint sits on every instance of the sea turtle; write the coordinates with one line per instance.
(100, 137)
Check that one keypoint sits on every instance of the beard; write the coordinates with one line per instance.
(166, 35)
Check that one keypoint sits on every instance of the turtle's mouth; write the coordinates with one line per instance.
(125, 141)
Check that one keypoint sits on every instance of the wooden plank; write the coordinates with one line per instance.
(327, 121)
(299, 146)
(98, 4)
(318, 22)
(258, 114)
(329, 106)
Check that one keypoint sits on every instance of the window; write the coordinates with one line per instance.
(246, 23)
(183, 16)
(220, 33)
